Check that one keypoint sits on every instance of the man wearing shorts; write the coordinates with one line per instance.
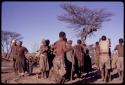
(120, 49)
(104, 58)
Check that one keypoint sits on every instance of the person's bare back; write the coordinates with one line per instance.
(60, 48)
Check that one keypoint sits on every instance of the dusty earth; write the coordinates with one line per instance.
(7, 76)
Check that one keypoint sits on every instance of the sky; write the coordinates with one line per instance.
(38, 20)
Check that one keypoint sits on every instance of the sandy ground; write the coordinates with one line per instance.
(7, 76)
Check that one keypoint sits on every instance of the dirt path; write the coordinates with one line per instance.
(7, 76)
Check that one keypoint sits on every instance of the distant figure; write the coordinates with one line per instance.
(58, 70)
(49, 54)
(87, 62)
(110, 56)
(104, 57)
(120, 65)
(43, 62)
(30, 65)
(69, 60)
(14, 55)
(79, 58)
(97, 49)
(21, 59)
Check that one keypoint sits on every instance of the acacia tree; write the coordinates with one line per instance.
(83, 20)
(7, 38)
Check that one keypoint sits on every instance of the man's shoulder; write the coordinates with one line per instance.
(60, 41)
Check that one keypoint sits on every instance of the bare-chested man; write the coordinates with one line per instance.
(13, 53)
(58, 62)
(120, 49)
(21, 59)
(79, 57)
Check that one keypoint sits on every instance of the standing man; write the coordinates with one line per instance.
(13, 53)
(120, 49)
(79, 57)
(58, 62)
(69, 60)
(21, 59)
(104, 57)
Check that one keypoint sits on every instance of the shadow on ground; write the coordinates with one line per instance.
(89, 78)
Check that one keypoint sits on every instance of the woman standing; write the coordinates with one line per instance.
(44, 65)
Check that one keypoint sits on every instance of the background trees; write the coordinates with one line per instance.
(83, 20)
(7, 37)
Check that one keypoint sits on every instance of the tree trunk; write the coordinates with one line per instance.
(83, 39)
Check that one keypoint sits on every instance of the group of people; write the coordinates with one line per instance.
(106, 61)
(62, 61)
(19, 60)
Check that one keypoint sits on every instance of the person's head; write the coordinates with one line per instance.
(47, 42)
(14, 41)
(87, 51)
(43, 42)
(79, 41)
(30, 58)
(19, 43)
(121, 40)
(103, 38)
(69, 42)
(97, 43)
(62, 35)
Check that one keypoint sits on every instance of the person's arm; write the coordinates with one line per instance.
(26, 50)
(65, 47)
(45, 49)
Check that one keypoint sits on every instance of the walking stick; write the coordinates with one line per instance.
(72, 65)
(71, 70)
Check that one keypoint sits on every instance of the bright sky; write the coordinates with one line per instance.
(38, 20)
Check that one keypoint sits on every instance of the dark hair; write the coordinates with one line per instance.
(70, 41)
(103, 37)
(79, 41)
(62, 34)
(47, 42)
(20, 42)
(65, 39)
(97, 43)
(121, 40)
(87, 51)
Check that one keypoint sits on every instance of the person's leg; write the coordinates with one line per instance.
(119, 73)
(108, 67)
(30, 70)
(102, 70)
(118, 68)
(15, 67)
(109, 74)
(122, 67)
(122, 75)
(106, 74)
(69, 66)
(44, 74)
(40, 74)
(102, 73)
